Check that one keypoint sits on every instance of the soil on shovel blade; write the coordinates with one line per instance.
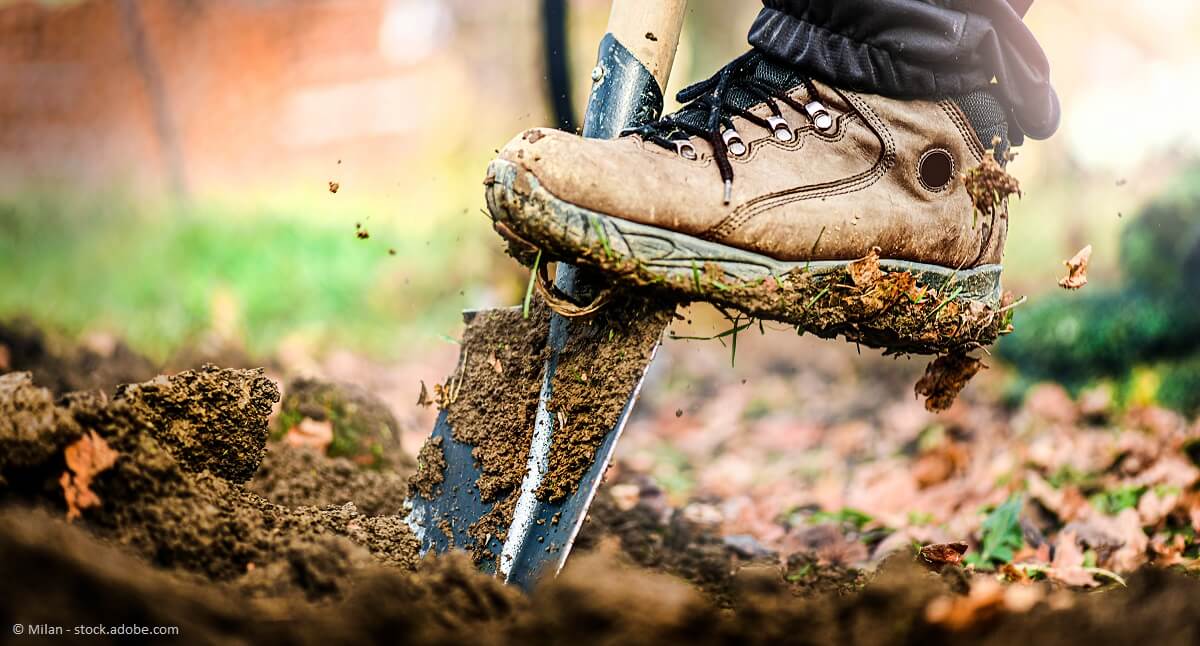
(123, 511)
(492, 398)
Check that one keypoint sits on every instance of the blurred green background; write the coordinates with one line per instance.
(165, 167)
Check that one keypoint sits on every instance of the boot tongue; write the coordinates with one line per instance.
(767, 72)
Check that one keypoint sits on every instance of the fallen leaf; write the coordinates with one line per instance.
(945, 377)
(625, 496)
(944, 553)
(1013, 573)
(1077, 268)
(423, 399)
(865, 272)
(1067, 566)
(940, 463)
(86, 457)
(310, 434)
(957, 613)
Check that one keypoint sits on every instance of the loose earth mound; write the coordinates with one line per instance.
(182, 514)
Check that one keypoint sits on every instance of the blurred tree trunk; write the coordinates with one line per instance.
(148, 68)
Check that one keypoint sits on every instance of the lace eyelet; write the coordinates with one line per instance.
(685, 149)
(819, 115)
(780, 128)
(734, 143)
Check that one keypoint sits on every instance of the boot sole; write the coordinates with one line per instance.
(963, 307)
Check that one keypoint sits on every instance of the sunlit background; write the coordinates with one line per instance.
(165, 166)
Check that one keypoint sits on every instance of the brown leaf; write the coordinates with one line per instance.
(1067, 566)
(86, 457)
(945, 377)
(957, 613)
(423, 399)
(938, 464)
(1077, 268)
(1014, 573)
(944, 553)
(865, 272)
(310, 434)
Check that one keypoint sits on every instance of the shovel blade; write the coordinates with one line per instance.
(541, 515)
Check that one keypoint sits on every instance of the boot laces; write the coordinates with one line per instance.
(710, 105)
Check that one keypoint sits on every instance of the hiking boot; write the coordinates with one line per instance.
(839, 212)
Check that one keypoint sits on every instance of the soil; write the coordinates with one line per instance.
(209, 419)
(292, 476)
(63, 366)
(170, 498)
(491, 403)
(364, 429)
(173, 541)
(431, 468)
(601, 364)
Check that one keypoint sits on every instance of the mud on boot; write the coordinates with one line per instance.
(838, 212)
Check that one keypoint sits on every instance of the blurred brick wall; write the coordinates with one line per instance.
(249, 87)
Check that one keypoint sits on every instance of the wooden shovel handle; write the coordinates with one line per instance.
(650, 29)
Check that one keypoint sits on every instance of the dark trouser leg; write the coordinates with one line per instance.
(917, 49)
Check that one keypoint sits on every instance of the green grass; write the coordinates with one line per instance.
(160, 276)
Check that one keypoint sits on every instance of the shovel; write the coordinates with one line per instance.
(561, 383)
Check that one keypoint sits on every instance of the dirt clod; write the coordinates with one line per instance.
(431, 468)
(989, 186)
(210, 419)
(945, 377)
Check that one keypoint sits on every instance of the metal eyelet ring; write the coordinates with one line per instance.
(734, 143)
(819, 115)
(780, 128)
(685, 149)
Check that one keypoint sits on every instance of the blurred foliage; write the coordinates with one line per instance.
(163, 276)
(1151, 322)
(1000, 535)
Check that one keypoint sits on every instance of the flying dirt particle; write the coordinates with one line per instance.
(945, 377)
(651, 37)
(334, 186)
(1077, 268)
(86, 457)
(339, 161)
(989, 185)
(391, 252)
(940, 554)
(360, 231)
(423, 399)
(678, 412)
(1122, 181)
